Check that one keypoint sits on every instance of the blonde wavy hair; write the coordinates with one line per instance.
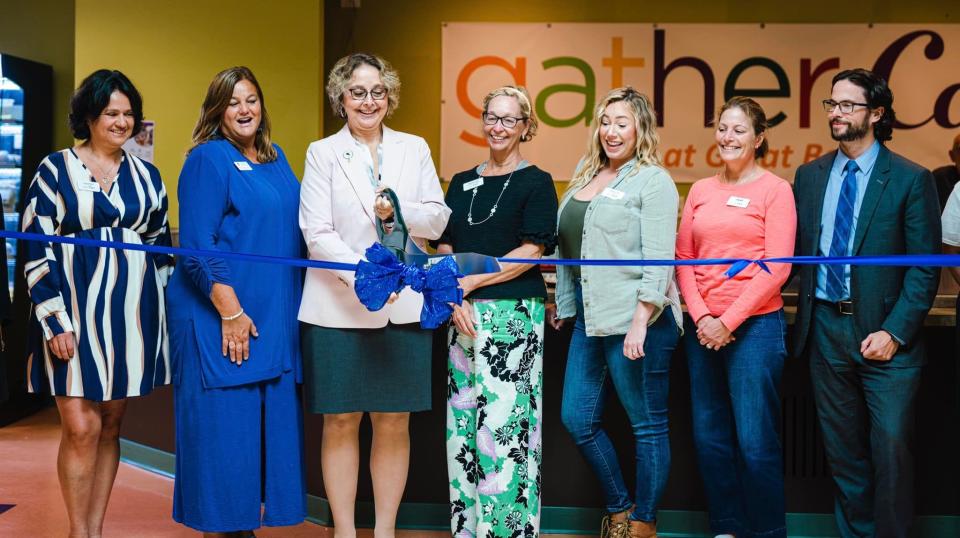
(523, 99)
(216, 102)
(645, 122)
(339, 80)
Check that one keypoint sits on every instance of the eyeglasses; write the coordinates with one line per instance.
(360, 94)
(508, 122)
(846, 107)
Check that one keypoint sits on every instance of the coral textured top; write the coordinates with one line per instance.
(754, 220)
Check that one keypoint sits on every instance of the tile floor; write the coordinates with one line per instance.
(139, 506)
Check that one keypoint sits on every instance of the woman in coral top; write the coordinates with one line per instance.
(735, 331)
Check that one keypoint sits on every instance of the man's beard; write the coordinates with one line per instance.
(853, 132)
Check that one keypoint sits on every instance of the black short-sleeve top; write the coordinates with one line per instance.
(526, 211)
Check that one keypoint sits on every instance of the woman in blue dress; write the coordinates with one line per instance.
(97, 332)
(234, 337)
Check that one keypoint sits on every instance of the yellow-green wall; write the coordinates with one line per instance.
(171, 49)
(42, 31)
(409, 36)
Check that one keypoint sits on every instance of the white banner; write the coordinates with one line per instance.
(689, 70)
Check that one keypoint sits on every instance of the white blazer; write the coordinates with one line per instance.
(338, 222)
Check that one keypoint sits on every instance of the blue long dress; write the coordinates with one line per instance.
(229, 203)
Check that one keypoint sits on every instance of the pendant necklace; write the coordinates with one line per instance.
(106, 178)
(492, 209)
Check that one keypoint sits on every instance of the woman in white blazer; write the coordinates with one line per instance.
(357, 361)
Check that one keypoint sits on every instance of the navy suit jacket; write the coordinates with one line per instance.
(899, 215)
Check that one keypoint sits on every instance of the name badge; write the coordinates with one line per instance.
(243, 166)
(473, 184)
(736, 201)
(612, 194)
(89, 186)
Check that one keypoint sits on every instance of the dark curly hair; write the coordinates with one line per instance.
(878, 95)
(93, 95)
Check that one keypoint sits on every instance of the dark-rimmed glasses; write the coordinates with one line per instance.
(846, 107)
(360, 94)
(508, 122)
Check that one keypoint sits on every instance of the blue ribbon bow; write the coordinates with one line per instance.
(740, 265)
(382, 274)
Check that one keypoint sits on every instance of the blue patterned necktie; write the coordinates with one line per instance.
(842, 226)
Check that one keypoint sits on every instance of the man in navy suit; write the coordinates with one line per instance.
(861, 325)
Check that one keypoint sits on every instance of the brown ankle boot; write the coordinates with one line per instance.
(641, 529)
(614, 525)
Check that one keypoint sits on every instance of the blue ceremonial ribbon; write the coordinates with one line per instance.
(897, 260)
(382, 273)
(736, 264)
(177, 251)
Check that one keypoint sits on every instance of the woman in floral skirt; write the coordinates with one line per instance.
(503, 207)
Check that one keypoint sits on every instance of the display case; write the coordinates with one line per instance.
(11, 162)
(26, 137)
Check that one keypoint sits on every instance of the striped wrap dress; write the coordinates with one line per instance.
(112, 300)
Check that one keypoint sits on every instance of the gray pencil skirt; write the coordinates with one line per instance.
(381, 370)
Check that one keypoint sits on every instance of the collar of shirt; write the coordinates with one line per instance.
(623, 171)
(364, 152)
(865, 161)
(483, 166)
(626, 168)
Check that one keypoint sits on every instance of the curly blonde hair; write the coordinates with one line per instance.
(645, 122)
(523, 99)
(339, 80)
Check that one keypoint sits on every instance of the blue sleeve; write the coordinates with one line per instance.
(41, 215)
(158, 228)
(204, 200)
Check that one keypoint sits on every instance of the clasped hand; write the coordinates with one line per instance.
(236, 335)
(712, 333)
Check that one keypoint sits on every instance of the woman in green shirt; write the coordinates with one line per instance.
(621, 204)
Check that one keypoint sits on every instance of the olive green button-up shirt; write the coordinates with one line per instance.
(635, 217)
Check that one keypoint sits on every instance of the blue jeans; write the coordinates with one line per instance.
(736, 425)
(594, 363)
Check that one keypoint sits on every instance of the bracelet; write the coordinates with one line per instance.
(233, 317)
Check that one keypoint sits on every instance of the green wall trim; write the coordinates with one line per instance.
(555, 519)
(147, 458)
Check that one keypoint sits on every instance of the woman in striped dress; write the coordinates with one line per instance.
(98, 332)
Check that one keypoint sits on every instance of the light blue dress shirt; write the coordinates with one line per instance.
(830, 200)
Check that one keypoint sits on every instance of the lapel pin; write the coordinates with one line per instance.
(348, 155)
